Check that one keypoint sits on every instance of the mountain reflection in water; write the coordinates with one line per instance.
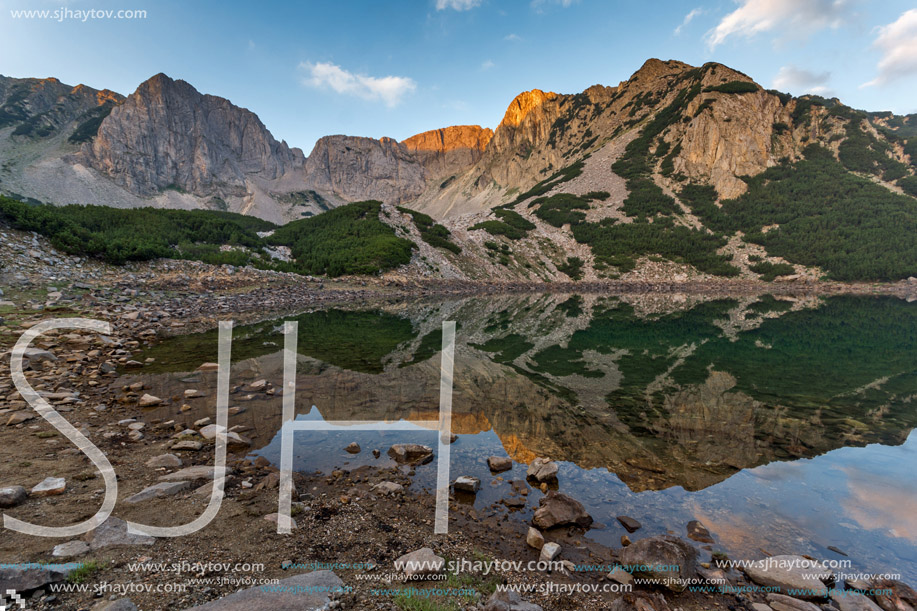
(754, 415)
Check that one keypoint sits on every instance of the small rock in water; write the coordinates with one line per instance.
(353, 448)
(557, 509)
(50, 486)
(466, 483)
(629, 524)
(543, 470)
(413, 453)
(698, 532)
(498, 464)
(837, 551)
(376, 453)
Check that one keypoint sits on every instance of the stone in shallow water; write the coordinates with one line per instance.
(50, 486)
(148, 400)
(411, 453)
(629, 524)
(467, 483)
(543, 471)
(558, 509)
(353, 448)
(498, 464)
(698, 532)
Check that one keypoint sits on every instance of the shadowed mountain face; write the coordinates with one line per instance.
(670, 392)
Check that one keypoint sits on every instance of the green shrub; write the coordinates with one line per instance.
(645, 198)
(769, 271)
(431, 232)
(346, 240)
(734, 87)
(909, 185)
(573, 267)
(561, 209)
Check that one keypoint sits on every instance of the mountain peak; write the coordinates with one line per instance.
(523, 104)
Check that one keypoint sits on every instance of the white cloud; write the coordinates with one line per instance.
(688, 19)
(458, 5)
(389, 89)
(790, 16)
(799, 81)
(512, 37)
(898, 43)
(487, 64)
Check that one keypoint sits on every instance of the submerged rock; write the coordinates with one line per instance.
(498, 464)
(558, 509)
(413, 453)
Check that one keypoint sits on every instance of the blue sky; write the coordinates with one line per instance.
(396, 68)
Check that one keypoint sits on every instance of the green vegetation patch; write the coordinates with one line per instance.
(432, 232)
(89, 123)
(119, 235)
(561, 176)
(851, 227)
(573, 267)
(620, 245)
(769, 271)
(347, 240)
(645, 199)
(733, 87)
(863, 152)
(511, 224)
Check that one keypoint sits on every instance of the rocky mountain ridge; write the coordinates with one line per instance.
(653, 149)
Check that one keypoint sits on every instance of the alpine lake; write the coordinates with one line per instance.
(782, 424)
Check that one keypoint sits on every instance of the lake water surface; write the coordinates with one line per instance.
(783, 424)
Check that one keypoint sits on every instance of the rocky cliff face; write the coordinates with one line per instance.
(353, 168)
(40, 108)
(447, 151)
(167, 135)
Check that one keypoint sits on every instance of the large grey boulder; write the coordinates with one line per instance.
(11, 496)
(784, 574)
(27, 579)
(113, 532)
(306, 592)
(664, 559)
(420, 562)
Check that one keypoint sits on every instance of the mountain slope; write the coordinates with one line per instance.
(678, 172)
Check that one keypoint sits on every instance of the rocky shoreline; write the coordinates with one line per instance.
(365, 516)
